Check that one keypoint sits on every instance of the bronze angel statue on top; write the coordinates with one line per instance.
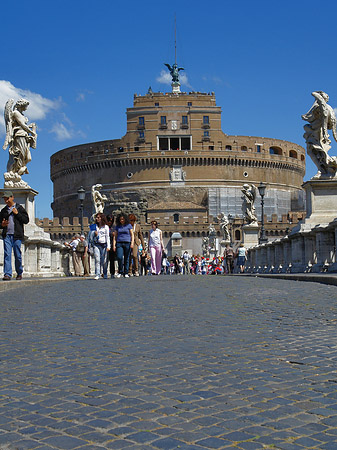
(20, 137)
(321, 118)
(174, 71)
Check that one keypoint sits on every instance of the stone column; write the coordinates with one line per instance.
(279, 256)
(325, 242)
(297, 253)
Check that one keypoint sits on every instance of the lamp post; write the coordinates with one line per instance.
(262, 189)
(81, 197)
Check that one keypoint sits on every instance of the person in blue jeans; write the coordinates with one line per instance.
(123, 240)
(13, 217)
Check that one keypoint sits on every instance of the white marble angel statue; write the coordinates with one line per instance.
(20, 138)
(248, 208)
(98, 198)
(224, 222)
(205, 247)
(321, 118)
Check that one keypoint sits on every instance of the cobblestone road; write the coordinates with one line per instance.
(169, 362)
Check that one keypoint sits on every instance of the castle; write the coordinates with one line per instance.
(176, 165)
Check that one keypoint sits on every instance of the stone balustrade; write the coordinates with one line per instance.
(312, 250)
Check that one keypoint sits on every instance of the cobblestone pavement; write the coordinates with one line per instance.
(169, 362)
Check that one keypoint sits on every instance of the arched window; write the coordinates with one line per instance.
(176, 218)
(243, 148)
(237, 235)
(275, 151)
(293, 154)
(228, 147)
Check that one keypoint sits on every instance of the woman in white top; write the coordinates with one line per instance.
(242, 256)
(101, 240)
(156, 248)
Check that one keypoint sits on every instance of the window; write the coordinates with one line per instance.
(189, 103)
(156, 104)
(293, 154)
(206, 120)
(175, 143)
(228, 147)
(141, 121)
(176, 218)
(184, 120)
(211, 147)
(120, 149)
(275, 151)
(136, 149)
(258, 148)
(206, 133)
(243, 148)
(162, 120)
(237, 235)
(141, 135)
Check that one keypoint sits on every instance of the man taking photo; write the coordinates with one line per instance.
(12, 219)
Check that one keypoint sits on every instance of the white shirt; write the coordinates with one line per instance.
(103, 235)
(155, 240)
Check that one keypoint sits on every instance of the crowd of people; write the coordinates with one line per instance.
(118, 247)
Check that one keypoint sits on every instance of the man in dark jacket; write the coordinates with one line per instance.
(12, 219)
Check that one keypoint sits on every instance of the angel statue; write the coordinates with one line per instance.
(174, 71)
(211, 235)
(98, 199)
(224, 222)
(205, 247)
(321, 118)
(248, 208)
(20, 137)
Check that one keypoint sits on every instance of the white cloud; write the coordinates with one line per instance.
(82, 96)
(64, 129)
(165, 78)
(39, 106)
(61, 132)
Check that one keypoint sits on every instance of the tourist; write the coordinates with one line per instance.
(241, 257)
(82, 250)
(111, 254)
(176, 262)
(143, 262)
(123, 244)
(13, 217)
(156, 246)
(138, 239)
(229, 258)
(76, 256)
(101, 244)
(186, 262)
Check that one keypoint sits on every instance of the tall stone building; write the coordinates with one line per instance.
(175, 164)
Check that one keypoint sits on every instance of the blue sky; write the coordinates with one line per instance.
(80, 62)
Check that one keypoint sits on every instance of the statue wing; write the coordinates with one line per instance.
(254, 191)
(168, 66)
(180, 68)
(8, 122)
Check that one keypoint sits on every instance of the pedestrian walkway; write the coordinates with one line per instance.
(169, 362)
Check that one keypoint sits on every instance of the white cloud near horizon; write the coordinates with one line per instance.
(165, 78)
(39, 106)
(64, 129)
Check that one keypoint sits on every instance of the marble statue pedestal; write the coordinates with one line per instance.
(250, 235)
(41, 256)
(321, 198)
(26, 198)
